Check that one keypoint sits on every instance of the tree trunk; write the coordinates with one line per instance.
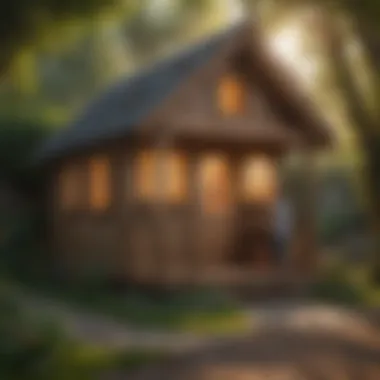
(366, 127)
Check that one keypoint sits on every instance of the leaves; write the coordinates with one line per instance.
(22, 21)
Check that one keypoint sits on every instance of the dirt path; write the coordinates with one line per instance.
(283, 354)
(304, 342)
(285, 342)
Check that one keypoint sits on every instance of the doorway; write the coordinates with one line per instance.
(216, 206)
(257, 195)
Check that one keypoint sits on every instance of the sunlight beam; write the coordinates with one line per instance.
(288, 45)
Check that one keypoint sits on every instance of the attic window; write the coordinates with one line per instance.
(99, 174)
(231, 95)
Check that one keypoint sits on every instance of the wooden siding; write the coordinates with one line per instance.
(145, 236)
(195, 112)
(164, 242)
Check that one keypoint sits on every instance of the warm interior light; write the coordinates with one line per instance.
(161, 176)
(231, 95)
(100, 196)
(174, 180)
(259, 179)
(215, 184)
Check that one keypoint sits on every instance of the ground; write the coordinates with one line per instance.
(286, 341)
(302, 342)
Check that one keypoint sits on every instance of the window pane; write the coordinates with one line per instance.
(99, 183)
(215, 184)
(259, 179)
(69, 187)
(231, 95)
(161, 175)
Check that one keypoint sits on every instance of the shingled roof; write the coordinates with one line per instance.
(125, 105)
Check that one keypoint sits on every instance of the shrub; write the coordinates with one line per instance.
(34, 348)
(18, 143)
(338, 286)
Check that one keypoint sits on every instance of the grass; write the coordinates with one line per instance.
(199, 311)
(98, 360)
(34, 346)
(348, 284)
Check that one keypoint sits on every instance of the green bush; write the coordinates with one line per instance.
(343, 283)
(35, 348)
(19, 140)
(32, 348)
(21, 251)
(338, 286)
(334, 227)
(21, 224)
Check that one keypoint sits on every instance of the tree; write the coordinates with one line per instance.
(24, 21)
(366, 123)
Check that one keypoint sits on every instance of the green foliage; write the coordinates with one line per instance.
(204, 311)
(336, 226)
(32, 348)
(21, 221)
(35, 348)
(375, 273)
(20, 244)
(337, 287)
(18, 142)
(344, 283)
(23, 20)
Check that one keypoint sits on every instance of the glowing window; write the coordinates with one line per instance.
(161, 176)
(231, 95)
(259, 179)
(100, 181)
(215, 184)
(174, 181)
(69, 187)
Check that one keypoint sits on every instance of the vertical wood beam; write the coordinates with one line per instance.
(305, 248)
(121, 193)
(192, 251)
(160, 215)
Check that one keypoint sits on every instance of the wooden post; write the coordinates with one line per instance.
(305, 239)
(122, 205)
(162, 216)
(311, 207)
(192, 233)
